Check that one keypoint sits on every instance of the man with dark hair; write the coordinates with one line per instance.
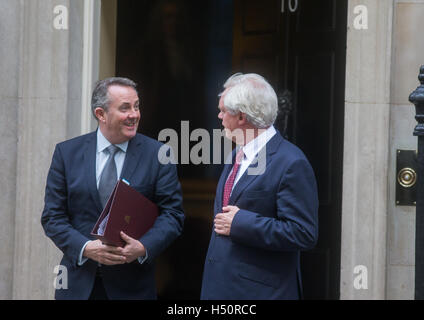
(81, 178)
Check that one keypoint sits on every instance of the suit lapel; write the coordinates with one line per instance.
(246, 179)
(131, 158)
(90, 168)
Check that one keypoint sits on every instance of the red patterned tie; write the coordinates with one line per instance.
(230, 181)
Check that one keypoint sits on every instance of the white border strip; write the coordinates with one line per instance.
(91, 36)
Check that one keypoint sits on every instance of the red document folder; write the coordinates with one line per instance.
(126, 210)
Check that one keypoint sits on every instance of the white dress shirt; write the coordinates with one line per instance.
(251, 150)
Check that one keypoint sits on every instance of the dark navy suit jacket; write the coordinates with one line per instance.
(278, 218)
(72, 207)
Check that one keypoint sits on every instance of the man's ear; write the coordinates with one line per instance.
(100, 114)
(242, 118)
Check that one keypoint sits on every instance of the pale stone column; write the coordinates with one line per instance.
(366, 150)
(48, 111)
(9, 65)
(408, 56)
(42, 123)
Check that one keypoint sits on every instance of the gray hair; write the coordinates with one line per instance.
(100, 97)
(252, 95)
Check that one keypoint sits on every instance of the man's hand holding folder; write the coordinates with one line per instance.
(132, 249)
(111, 255)
(104, 254)
(126, 217)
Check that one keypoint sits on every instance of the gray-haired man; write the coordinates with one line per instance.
(262, 219)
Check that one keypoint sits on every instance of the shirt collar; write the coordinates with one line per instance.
(252, 148)
(103, 143)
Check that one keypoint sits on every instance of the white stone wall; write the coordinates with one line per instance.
(382, 68)
(367, 109)
(41, 105)
(41, 123)
(408, 56)
(10, 19)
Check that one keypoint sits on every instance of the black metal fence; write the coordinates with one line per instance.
(417, 98)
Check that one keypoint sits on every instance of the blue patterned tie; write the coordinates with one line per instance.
(108, 177)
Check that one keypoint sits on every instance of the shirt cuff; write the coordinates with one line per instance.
(81, 259)
(142, 259)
